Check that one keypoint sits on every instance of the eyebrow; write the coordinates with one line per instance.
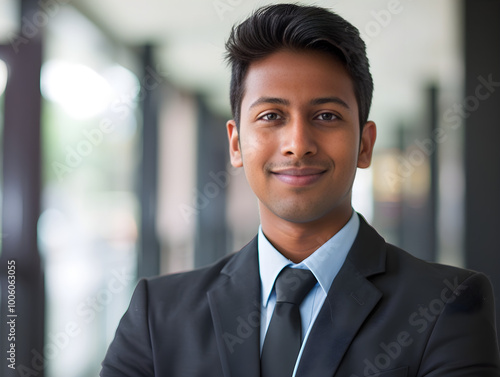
(273, 100)
(285, 102)
(337, 100)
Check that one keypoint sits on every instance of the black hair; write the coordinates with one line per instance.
(291, 26)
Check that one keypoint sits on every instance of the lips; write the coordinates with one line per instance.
(299, 176)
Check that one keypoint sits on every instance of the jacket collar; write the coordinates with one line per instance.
(235, 308)
(350, 300)
(368, 252)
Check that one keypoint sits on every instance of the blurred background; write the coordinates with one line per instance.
(114, 162)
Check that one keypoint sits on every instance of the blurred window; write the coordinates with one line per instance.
(88, 226)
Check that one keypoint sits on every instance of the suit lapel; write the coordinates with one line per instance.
(235, 308)
(350, 300)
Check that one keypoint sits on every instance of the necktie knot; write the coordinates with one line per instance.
(293, 284)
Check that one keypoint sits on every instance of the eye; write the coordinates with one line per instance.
(270, 117)
(327, 116)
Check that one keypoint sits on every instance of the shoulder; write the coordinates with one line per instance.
(177, 295)
(405, 262)
(180, 292)
(197, 281)
(395, 270)
(408, 273)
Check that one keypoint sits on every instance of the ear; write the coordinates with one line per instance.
(234, 144)
(368, 137)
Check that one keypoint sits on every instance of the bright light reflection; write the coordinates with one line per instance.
(81, 91)
(123, 81)
(4, 74)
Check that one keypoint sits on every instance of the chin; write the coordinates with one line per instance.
(300, 216)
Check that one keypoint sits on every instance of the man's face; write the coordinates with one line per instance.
(299, 136)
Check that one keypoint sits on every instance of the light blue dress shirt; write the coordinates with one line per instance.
(324, 263)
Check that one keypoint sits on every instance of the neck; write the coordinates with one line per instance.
(297, 241)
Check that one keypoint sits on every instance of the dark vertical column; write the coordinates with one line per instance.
(400, 213)
(481, 111)
(22, 295)
(419, 211)
(212, 180)
(149, 249)
(433, 150)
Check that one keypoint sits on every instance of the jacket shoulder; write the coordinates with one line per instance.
(198, 280)
(412, 274)
(405, 261)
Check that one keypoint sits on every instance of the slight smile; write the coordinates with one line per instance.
(299, 177)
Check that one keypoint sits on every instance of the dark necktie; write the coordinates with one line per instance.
(284, 334)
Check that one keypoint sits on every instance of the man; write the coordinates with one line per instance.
(300, 95)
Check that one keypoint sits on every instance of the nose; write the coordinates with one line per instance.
(298, 139)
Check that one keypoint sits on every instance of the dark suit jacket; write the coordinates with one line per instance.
(387, 314)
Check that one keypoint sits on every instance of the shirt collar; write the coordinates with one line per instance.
(324, 263)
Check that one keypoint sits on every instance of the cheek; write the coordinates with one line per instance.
(343, 148)
(256, 146)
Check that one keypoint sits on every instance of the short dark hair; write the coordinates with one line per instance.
(281, 26)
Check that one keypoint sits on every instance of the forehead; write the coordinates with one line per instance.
(298, 76)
